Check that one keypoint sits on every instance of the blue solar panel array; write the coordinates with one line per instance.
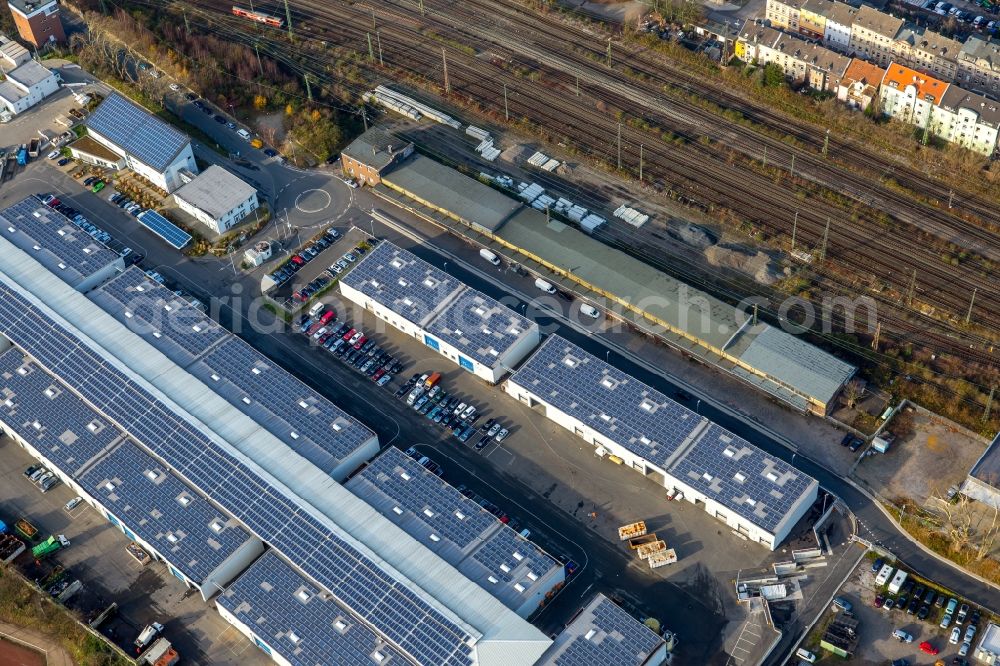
(29, 223)
(298, 622)
(164, 228)
(352, 577)
(479, 326)
(397, 279)
(297, 415)
(617, 638)
(615, 404)
(425, 491)
(163, 511)
(53, 420)
(165, 320)
(137, 132)
(734, 472)
(507, 555)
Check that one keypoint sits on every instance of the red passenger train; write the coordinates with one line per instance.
(257, 16)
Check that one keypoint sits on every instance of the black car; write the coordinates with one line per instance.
(918, 593)
(402, 390)
(220, 119)
(191, 97)
(974, 618)
(939, 602)
(483, 441)
(901, 602)
(907, 587)
(856, 443)
(847, 439)
(914, 604)
(924, 611)
(270, 152)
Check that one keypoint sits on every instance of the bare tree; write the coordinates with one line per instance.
(853, 392)
(958, 517)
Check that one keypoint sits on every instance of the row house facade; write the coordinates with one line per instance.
(979, 66)
(800, 60)
(860, 85)
(927, 51)
(873, 35)
(967, 119)
(908, 95)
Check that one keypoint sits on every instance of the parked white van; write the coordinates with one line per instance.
(545, 286)
(490, 257)
(590, 311)
(244, 134)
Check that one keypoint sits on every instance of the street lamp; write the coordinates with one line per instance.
(697, 406)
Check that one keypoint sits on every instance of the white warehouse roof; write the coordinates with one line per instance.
(216, 191)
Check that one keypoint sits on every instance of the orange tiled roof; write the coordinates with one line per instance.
(928, 88)
(865, 72)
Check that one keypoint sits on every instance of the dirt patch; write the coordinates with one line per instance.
(936, 455)
(272, 125)
(755, 263)
(693, 235)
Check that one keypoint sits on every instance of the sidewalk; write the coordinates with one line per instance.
(54, 655)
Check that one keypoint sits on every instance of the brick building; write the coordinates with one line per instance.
(37, 21)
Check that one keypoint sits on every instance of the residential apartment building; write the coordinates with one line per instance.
(967, 119)
(909, 95)
(873, 34)
(860, 84)
(802, 61)
(927, 51)
(837, 31)
(37, 22)
(979, 65)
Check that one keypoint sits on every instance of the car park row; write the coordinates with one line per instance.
(426, 396)
(323, 329)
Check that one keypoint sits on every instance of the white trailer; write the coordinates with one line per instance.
(897, 582)
(884, 574)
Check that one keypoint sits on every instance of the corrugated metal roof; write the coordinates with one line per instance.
(791, 360)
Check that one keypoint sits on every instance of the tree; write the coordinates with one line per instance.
(774, 76)
(289, 111)
(853, 392)
(259, 102)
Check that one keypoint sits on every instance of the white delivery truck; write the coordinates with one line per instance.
(545, 286)
(897, 582)
(884, 574)
(490, 257)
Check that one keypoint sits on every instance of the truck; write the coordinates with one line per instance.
(25, 529)
(147, 635)
(49, 546)
(897, 582)
(22, 155)
(432, 379)
(34, 145)
(626, 532)
(256, 143)
(662, 558)
(160, 653)
(643, 540)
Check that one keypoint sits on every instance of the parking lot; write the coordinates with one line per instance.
(97, 557)
(877, 624)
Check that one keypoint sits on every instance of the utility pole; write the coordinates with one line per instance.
(444, 60)
(826, 143)
(187, 26)
(378, 40)
(371, 53)
(754, 314)
(989, 404)
(878, 332)
(577, 85)
(364, 117)
(260, 65)
(791, 169)
(826, 235)
(506, 109)
(374, 26)
(765, 156)
(968, 315)
(951, 198)
(288, 17)
(309, 91)
(609, 52)
(795, 228)
(421, 7)
(640, 161)
(619, 146)
(909, 293)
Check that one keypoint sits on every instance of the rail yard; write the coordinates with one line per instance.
(572, 96)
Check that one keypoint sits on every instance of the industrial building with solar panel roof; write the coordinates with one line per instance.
(757, 495)
(462, 324)
(228, 470)
(153, 149)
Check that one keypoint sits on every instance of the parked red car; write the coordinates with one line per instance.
(928, 648)
(296, 259)
(328, 316)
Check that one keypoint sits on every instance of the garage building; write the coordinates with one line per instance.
(756, 494)
(217, 198)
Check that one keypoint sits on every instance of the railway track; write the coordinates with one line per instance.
(701, 174)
